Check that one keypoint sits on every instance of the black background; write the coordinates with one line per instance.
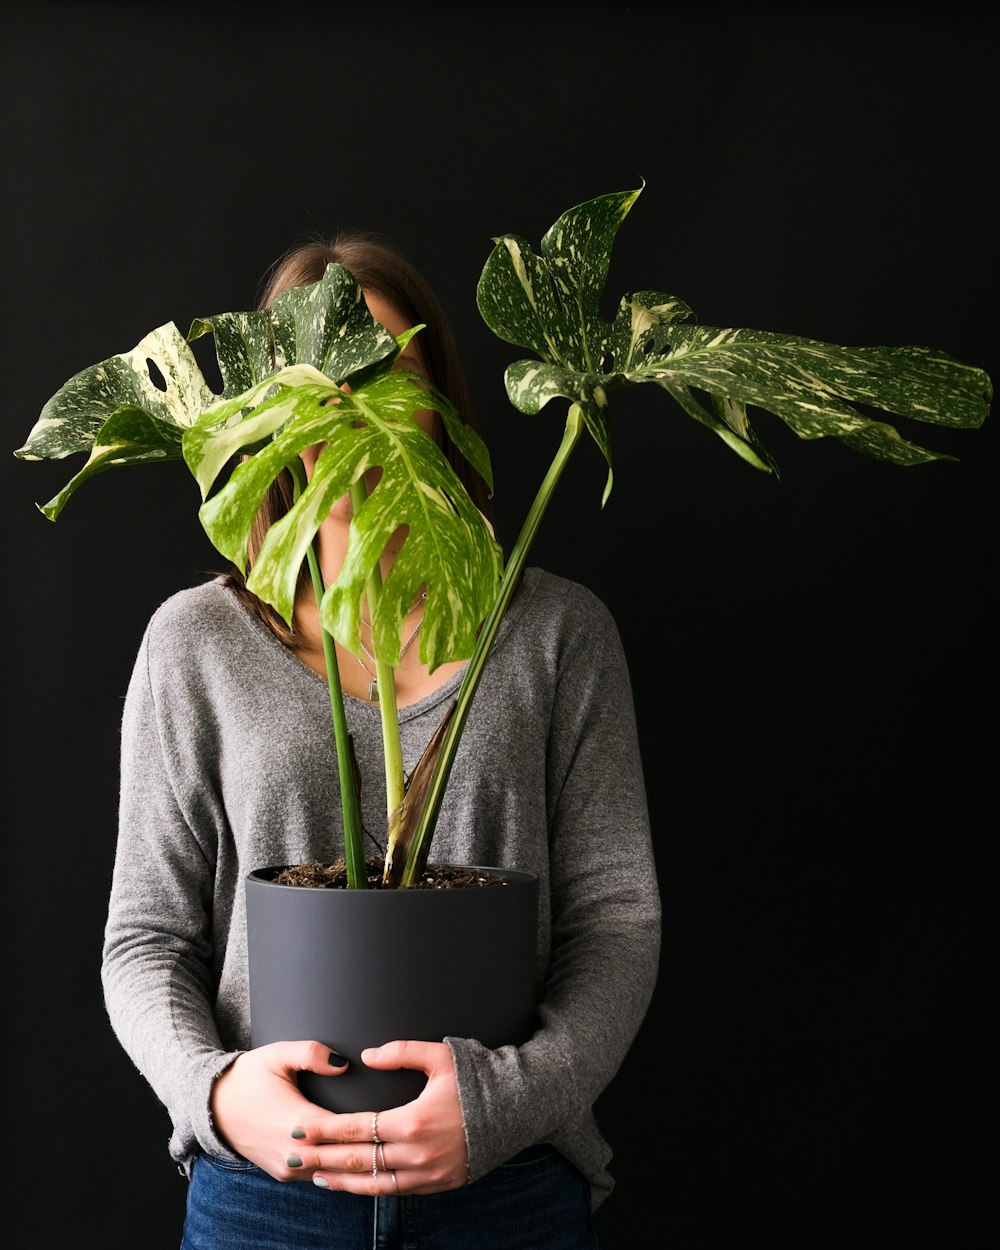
(812, 657)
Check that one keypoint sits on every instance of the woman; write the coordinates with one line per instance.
(501, 1149)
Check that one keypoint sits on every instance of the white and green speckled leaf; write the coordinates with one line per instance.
(72, 419)
(243, 424)
(326, 324)
(244, 347)
(450, 546)
(83, 415)
(550, 305)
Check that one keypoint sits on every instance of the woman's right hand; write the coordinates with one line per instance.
(257, 1097)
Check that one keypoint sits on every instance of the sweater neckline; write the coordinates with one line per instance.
(525, 589)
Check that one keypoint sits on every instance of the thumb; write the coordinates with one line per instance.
(420, 1056)
(304, 1056)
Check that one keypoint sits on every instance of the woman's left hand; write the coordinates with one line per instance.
(418, 1148)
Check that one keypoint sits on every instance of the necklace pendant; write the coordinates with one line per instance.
(373, 690)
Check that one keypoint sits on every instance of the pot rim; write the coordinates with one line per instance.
(513, 876)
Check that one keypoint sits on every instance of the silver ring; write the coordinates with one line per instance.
(394, 1183)
(381, 1157)
(375, 1136)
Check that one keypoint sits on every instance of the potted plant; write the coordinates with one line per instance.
(284, 373)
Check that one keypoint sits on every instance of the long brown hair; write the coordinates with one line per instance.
(380, 269)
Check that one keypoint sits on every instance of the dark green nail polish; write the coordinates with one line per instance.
(336, 1061)
(294, 1161)
(298, 1132)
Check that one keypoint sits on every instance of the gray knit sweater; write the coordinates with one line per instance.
(228, 764)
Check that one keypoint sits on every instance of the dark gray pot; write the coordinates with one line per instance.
(357, 968)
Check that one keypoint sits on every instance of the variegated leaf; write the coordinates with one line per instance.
(550, 305)
(450, 546)
(326, 324)
(450, 549)
(117, 412)
(242, 425)
(75, 415)
(244, 347)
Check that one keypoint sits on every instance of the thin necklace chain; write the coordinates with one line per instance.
(373, 684)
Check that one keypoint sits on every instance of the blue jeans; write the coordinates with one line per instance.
(535, 1201)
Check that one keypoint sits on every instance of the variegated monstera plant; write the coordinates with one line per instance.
(283, 370)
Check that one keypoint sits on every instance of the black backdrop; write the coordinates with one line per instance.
(812, 658)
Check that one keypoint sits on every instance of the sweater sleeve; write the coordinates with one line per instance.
(605, 915)
(156, 968)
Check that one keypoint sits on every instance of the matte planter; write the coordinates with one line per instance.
(357, 968)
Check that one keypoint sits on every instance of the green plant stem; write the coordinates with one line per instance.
(354, 846)
(416, 859)
(392, 751)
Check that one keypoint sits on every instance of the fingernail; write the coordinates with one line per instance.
(298, 1133)
(294, 1161)
(321, 1181)
(335, 1060)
